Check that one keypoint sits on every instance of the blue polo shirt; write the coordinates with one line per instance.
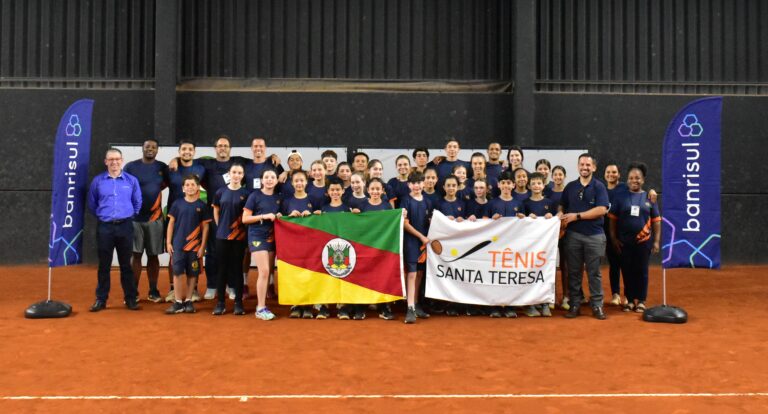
(118, 198)
(455, 208)
(153, 178)
(577, 198)
(397, 190)
(478, 210)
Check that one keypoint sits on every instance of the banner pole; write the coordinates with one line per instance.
(664, 285)
(50, 269)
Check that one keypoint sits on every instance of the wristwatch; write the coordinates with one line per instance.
(578, 216)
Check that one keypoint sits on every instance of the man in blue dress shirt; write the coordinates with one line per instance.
(115, 199)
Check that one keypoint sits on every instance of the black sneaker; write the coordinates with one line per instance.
(343, 313)
(420, 313)
(359, 313)
(574, 312)
(295, 312)
(189, 307)
(385, 312)
(598, 312)
(220, 309)
(323, 312)
(98, 305)
(473, 310)
(176, 307)
(410, 315)
(495, 312)
(451, 310)
(132, 304)
(306, 312)
(238, 309)
(509, 312)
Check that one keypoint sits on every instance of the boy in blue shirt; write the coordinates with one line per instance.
(417, 208)
(537, 205)
(187, 235)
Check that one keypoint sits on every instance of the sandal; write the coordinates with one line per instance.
(640, 308)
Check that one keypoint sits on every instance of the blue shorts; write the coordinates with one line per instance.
(186, 262)
(261, 241)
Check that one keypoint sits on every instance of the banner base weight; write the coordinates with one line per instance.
(48, 309)
(665, 314)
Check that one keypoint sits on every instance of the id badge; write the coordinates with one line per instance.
(634, 211)
(257, 183)
(225, 177)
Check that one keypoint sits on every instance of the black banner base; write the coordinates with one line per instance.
(665, 314)
(48, 309)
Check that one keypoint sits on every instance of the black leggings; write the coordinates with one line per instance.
(229, 254)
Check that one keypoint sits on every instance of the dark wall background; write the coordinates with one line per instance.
(606, 75)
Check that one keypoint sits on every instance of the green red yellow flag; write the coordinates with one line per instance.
(340, 258)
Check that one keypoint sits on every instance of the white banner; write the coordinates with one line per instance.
(508, 261)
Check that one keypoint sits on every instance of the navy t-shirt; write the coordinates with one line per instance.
(153, 178)
(521, 196)
(317, 195)
(635, 214)
(328, 208)
(477, 209)
(434, 198)
(367, 206)
(297, 204)
(397, 190)
(506, 208)
(418, 216)
(354, 202)
(539, 208)
(259, 203)
(445, 169)
(493, 171)
(217, 173)
(176, 180)
(188, 226)
(254, 170)
(230, 204)
(455, 208)
(577, 198)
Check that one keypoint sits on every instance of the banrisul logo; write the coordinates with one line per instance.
(339, 258)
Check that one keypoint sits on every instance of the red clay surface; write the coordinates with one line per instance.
(722, 349)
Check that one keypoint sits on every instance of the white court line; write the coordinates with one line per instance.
(244, 398)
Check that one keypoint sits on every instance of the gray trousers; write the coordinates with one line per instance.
(584, 250)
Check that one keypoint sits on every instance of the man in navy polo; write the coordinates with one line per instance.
(115, 199)
(584, 203)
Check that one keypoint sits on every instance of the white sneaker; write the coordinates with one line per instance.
(264, 314)
(209, 294)
(195, 297)
(171, 296)
(615, 299)
(231, 293)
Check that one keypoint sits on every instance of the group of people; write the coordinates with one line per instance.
(246, 196)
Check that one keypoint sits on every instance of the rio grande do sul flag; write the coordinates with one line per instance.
(508, 261)
(340, 258)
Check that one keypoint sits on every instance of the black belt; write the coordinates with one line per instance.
(121, 221)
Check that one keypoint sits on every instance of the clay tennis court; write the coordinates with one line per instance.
(119, 361)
